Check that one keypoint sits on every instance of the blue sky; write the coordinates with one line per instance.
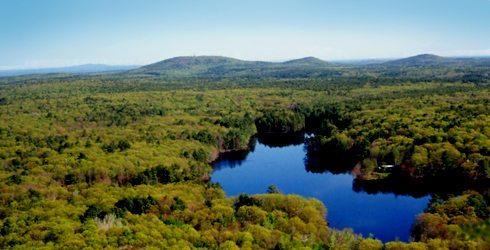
(58, 33)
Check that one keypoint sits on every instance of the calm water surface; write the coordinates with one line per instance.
(386, 216)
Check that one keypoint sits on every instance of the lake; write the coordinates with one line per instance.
(386, 216)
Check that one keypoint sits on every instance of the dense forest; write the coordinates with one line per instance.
(123, 160)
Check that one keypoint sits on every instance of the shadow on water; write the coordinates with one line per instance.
(328, 163)
(401, 185)
(281, 140)
(234, 159)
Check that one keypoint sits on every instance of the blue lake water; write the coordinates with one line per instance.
(386, 216)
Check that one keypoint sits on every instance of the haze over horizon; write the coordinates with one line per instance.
(57, 34)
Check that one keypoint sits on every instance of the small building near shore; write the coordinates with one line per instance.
(386, 167)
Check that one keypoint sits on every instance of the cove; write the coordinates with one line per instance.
(386, 216)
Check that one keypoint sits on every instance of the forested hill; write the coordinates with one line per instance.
(225, 66)
(307, 62)
(430, 60)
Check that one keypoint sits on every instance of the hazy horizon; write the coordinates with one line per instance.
(51, 34)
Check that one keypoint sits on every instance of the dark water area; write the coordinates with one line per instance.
(385, 215)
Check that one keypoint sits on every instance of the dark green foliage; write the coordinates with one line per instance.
(70, 179)
(480, 204)
(208, 203)
(123, 145)
(94, 211)
(241, 122)
(246, 200)
(173, 222)
(178, 204)
(200, 155)
(135, 205)
(205, 137)
(337, 144)
(15, 163)
(327, 118)
(14, 179)
(51, 236)
(235, 139)
(158, 174)
(280, 122)
(114, 146)
(57, 142)
(6, 227)
(34, 194)
(272, 189)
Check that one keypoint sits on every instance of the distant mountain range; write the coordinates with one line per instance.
(219, 66)
(205, 66)
(78, 69)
